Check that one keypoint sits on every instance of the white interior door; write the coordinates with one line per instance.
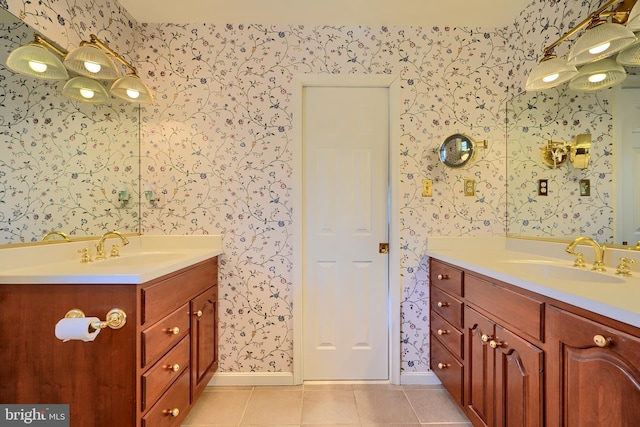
(628, 182)
(345, 211)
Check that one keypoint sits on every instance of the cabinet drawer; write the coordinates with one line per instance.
(162, 298)
(159, 338)
(447, 306)
(446, 277)
(176, 399)
(511, 308)
(448, 335)
(164, 372)
(447, 369)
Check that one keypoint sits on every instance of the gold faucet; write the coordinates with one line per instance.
(50, 234)
(100, 254)
(598, 264)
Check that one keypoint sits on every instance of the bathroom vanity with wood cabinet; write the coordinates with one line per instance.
(512, 357)
(146, 374)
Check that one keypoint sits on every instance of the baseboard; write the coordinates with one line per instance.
(286, 378)
(419, 378)
(251, 379)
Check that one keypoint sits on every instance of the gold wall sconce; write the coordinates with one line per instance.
(93, 60)
(554, 154)
(596, 47)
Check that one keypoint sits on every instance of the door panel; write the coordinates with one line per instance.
(345, 203)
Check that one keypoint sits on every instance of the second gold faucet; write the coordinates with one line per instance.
(598, 264)
(100, 253)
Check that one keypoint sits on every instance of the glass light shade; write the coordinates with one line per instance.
(600, 42)
(91, 61)
(37, 61)
(630, 55)
(550, 72)
(598, 75)
(86, 90)
(633, 23)
(132, 89)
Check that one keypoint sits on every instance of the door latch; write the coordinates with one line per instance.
(383, 248)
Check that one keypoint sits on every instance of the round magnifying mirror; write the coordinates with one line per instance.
(457, 151)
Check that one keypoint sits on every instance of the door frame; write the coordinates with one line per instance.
(395, 290)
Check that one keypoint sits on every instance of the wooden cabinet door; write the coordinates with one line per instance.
(519, 381)
(479, 361)
(204, 339)
(592, 385)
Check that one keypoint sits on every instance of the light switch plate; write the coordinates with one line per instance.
(469, 187)
(427, 188)
(585, 187)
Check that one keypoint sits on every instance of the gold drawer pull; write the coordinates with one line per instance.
(175, 367)
(173, 412)
(443, 332)
(602, 341)
(175, 330)
(198, 313)
(485, 338)
(443, 304)
(443, 365)
(443, 277)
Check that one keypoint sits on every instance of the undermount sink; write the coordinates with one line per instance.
(554, 270)
(137, 259)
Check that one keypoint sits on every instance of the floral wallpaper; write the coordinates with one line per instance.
(559, 115)
(62, 162)
(216, 144)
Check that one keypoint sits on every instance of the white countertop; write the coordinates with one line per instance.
(144, 258)
(509, 260)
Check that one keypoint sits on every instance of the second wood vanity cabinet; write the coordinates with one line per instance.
(146, 374)
(528, 360)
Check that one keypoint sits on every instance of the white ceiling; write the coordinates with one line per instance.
(467, 13)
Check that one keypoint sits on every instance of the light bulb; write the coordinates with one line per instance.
(92, 67)
(132, 93)
(600, 48)
(87, 93)
(597, 77)
(38, 67)
(550, 78)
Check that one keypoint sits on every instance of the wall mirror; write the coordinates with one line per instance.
(560, 114)
(457, 151)
(63, 163)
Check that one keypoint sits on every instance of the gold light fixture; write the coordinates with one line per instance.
(86, 90)
(37, 60)
(93, 59)
(600, 40)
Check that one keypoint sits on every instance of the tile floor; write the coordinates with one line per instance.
(326, 405)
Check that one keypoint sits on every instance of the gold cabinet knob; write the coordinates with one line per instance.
(443, 365)
(485, 338)
(175, 367)
(442, 332)
(495, 344)
(443, 304)
(173, 412)
(175, 330)
(602, 341)
(198, 313)
(443, 277)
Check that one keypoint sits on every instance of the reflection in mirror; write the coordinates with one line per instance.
(562, 211)
(62, 162)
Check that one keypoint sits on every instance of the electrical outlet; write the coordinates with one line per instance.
(469, 187)
(585, 187)
(543, 187)
(427, 188)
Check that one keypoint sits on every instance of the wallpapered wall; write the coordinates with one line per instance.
(217, 144)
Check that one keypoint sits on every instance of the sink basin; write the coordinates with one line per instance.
(137, 259)
(553, 270)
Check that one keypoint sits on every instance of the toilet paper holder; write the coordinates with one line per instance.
(116, 318)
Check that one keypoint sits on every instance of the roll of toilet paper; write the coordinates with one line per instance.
(77, 328)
